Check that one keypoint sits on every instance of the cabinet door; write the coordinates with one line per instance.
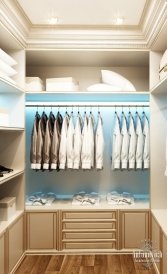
(134, 228)
(155, 236)
(40, 230)
(164, 254)
(2, 254)
(16, 248)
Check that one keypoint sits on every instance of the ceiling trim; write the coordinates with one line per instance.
(43, 36)
(144, 13)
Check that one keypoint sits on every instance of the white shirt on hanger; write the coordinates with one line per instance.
(125, 143)
(146, 153)
(70, 144)
(63, 143)
(116, 144)
(140, 143)
(132, 143)
(99, 144)
(77, 143)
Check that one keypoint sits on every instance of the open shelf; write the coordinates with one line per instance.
(160, 88)
(5, 224)
(10, 176)
(11, 129)
(8, 87)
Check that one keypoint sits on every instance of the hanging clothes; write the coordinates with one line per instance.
(47, 141)
(125, 143)
(132, 143)
(99, 155)
(146, 152)
(85, 152)
(40, 140)
(116, 144)
(140, 143)
(77, 142)
(70, 143)
(34, 134)
(91, 139)
(63, 143)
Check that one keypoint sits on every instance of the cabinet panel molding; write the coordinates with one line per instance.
(134, 228)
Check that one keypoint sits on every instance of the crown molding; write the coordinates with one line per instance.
(11, 18)
(32, 36)
(158, 23)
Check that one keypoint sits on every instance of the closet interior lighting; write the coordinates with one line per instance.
(85, 104)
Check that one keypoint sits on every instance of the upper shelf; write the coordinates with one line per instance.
(160, 88)
(7, 87)
(86, 96)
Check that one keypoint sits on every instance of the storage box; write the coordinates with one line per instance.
(34, 84)
(4, 118)
(61, 84)
(7, 208)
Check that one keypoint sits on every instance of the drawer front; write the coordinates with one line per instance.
(100, 245)
(89, 215)
(89, 235)
(91, 225)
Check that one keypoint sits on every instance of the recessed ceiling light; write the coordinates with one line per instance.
(118, 21)
(53, 20)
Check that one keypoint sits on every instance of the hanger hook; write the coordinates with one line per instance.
(98, 110)
(85, 109)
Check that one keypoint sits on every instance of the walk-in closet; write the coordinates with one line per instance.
(83, 130)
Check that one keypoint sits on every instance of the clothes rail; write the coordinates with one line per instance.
(82, 104)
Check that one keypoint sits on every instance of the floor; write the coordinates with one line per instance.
(81, 264)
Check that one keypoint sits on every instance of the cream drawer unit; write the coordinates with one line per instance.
(82, 224)
(155, 236)
(16, 244)
(89, 235)
(41, 230)
(89, 245)
(88, 229)
(134, 228)
(164, 254)
(90, 215)
(2, 254)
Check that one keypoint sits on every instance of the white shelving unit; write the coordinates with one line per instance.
(12, 153)
(160, 88)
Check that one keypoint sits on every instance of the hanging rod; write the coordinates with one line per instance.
(86, 104)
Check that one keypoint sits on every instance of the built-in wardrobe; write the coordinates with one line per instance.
(62, 227)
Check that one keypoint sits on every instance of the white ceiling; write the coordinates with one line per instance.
(84, 12)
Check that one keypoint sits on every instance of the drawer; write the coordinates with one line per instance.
(89, 235)
(100, 245)
(91, 225)
(89, 215)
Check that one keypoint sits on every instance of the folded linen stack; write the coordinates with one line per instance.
(34, 84)
(40, 198)
(115, 198)
(163, 66)
(112, 81)
(61, 84)
(6, 66)
(83, 198)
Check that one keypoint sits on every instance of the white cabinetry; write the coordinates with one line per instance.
(12, 151)
(2, 254)
(16, 243)
(134, 229)
(41, 230)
